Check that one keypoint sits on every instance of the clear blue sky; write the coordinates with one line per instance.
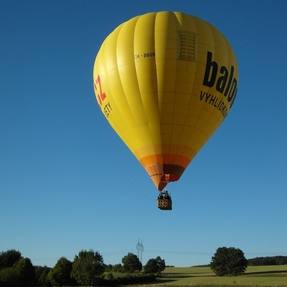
(67, 182)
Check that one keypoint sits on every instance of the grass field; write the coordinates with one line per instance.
(255, 276)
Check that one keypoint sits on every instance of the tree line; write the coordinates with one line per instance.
(268, 260)
(87, 269)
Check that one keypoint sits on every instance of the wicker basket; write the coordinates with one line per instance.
(164, 202)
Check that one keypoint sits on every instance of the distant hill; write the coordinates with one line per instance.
(202, 265)
(260, 261)
(268, 260)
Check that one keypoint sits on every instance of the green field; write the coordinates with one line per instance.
(274, 276)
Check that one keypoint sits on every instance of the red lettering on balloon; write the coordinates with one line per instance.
(101, 95)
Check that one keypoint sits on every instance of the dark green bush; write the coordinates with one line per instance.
(228, 261)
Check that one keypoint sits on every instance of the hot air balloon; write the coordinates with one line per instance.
(165, 81)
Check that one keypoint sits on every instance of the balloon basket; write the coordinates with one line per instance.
(164, 201)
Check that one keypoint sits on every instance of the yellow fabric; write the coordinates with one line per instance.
(165, 81)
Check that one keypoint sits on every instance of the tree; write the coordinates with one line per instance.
(131, 263)
(9, 258)
(154, 265)
(61, 273)
(114, 268)
(151, 266)
(25, 272)
(41, 276)
(117, 268)
(160, 263)
(228, 261)
(87, 267)
(22, 273)
(8, 277)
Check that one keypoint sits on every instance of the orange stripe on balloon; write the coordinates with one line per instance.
(164, 168)
(162, 174)
(165, 159)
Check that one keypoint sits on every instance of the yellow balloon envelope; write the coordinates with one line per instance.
(165, 81)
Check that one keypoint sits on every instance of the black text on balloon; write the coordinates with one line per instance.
(222, 78)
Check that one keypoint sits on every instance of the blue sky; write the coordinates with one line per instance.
(67, 182)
